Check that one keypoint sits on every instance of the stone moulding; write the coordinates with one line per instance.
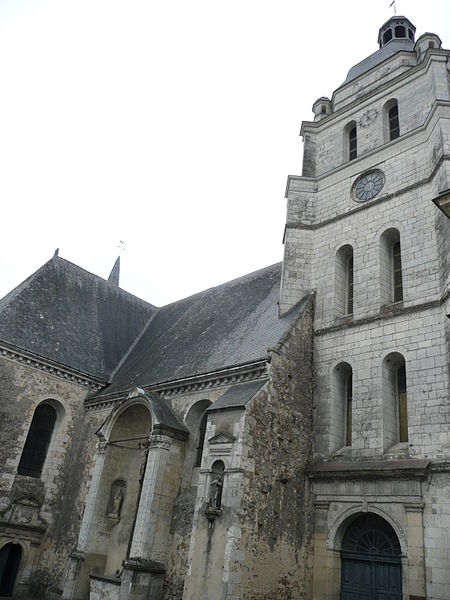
(144, 566)
(43, 364)
(196, 383)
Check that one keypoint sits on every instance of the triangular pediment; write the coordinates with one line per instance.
(222, 438)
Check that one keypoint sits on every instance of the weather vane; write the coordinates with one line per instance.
(393, 4)
(121, 246)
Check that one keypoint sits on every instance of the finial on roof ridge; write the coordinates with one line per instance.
(56, 253)
(115, 273)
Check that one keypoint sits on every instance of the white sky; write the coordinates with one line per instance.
(169, 124)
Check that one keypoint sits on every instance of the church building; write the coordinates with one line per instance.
(285, 435)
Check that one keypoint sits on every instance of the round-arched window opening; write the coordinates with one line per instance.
(387, 36)
(400, 31)
(38, 440)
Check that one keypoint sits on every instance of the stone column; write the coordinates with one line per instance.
(77, 556)
(144, 568)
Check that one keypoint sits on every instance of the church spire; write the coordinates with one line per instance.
(115, 273)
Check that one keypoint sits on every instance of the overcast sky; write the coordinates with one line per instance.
(171, 125)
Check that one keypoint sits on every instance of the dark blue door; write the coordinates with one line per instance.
(371, 561)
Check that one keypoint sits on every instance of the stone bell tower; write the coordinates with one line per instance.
(363, 234)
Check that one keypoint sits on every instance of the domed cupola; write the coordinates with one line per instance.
(397, 28)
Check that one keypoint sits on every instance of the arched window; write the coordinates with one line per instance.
(344, 281)
(395, 406)
(387, 36)
(38, 440)
(341, 407)
(196, 421)
(352, 143)
(391, 120)
(400, 31)
(391, 272)
(201, 439)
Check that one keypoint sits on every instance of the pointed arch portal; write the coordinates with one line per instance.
(371, 561)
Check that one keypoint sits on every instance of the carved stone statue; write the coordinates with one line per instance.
(116, 504)
(216, 486)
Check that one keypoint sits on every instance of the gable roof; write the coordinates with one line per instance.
(229, 325)
(73, 317)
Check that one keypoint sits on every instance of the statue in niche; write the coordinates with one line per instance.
(216, 490)
(116, 500)
(216, 485)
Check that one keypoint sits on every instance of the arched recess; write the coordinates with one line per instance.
(10, 562)
(196, 421)
(343, 297)
(127, 431)
(345, 518)
(395, 406)
(371, 565)
(391, 269)
(341, 406)
(350, 142)
(391, 123)
(43, 429)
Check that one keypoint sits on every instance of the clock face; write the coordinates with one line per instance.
(368, 185)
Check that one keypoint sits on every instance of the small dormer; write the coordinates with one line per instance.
(321, 108)
(426, 41)
(397, 28)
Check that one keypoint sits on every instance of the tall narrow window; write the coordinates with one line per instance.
(349, 400)
(397, 272)
(350, 285)
(391, 122)
(394, 126)
(38, 440)
(402, 403)
(201, 440)
(341, 407)
(344, 281)
(352, 143)
(391, 268)
(395, 412)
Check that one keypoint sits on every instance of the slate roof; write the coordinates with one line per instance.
(73, 317)
(224, 326)
(82, 321)
(391, 48)
(237, 396)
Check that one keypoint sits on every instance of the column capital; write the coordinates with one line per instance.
(158, 440)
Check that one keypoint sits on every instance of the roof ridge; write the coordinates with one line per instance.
(132, 345)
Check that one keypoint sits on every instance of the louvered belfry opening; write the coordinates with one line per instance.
(350, 286)
(402, 403)
(397, 272)
(349, 402)
(353, 143)
(38, 440)
(394, 125)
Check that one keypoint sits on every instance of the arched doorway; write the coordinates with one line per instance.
(10, 557)
(371, 561)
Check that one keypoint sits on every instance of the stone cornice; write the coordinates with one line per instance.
(248, 372)
(51, 367)
(372, 203)
(388, 314)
